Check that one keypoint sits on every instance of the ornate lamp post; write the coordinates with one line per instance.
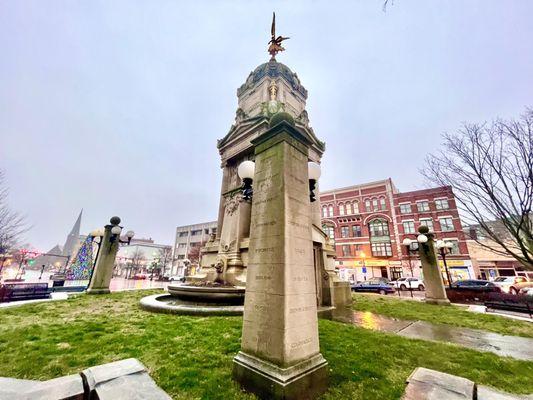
(107, 251)
(444, 249)
(314, 173)
(246, 172)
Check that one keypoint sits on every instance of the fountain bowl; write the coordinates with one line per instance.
(169, 304)
(224, 295)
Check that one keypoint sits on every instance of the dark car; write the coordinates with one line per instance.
(477, 285)
(373, 286)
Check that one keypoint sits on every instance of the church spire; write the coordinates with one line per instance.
(73, 237)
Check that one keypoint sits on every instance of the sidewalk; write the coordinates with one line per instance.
(517, 347)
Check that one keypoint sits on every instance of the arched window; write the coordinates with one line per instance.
(378, 227)
(375, 204)
(382, 203)
(330, 211)
(324, 211)
(348, 208)
(341, 209)
(356, 207)
(329, 230)
(367, 205)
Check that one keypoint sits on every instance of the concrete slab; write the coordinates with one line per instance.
(427, 384)
(509, 346)
(486, 393)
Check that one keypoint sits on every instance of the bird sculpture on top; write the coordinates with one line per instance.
(275, 43)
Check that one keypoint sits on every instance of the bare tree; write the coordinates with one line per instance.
(195, 253)
(12, 224)
(490, 168)
(137, 260)
(165, 255)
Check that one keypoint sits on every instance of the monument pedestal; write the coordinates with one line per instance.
(280, 355)
(305, 380)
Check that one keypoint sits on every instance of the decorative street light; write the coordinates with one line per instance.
(246, 171)
(314, 172)
(445, 248)
(363, 256)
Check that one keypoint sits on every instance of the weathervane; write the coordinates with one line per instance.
(275, 43)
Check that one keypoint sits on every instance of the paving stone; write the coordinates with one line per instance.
(486, 393)
(427, 384)
(64, 388)
(122, 380)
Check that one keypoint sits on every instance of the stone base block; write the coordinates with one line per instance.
(439, 302)
(304, 381)
(427, 384)
(342, 294)
(98, 291)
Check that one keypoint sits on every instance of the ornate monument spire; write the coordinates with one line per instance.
(275, 42)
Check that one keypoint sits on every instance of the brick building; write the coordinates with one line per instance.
(368, 223)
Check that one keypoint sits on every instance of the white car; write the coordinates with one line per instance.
(409, 283)
(511, 284)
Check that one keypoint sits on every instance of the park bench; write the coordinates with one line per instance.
(510, 302)
(24, 291)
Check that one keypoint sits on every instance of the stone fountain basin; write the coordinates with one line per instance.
(208, 294)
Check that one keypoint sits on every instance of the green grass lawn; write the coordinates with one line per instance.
(451, 315)
(191, 357)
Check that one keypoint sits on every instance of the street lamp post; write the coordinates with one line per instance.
(407, 243)
(363, 255)
(444, 249)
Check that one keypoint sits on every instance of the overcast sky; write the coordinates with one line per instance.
(115, 106)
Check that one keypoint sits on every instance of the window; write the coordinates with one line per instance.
(375, 204)
(382, 203)
(356, 207)
(409, 227)
(446, 224)
(442, 204)
(379, 227)
(329, 230)
(330, 211)
(206, 231)
(348, 208)
(324, 211)
(182, 245)
(423, 206)
(455, 246)
(358, 249)
(346, 250)
(214, 230)
(195, 244)
(341, 209)
(196, 232)
(345, 231)
(381, 250)
(427, 222)
(356, 229)
(405, 208)
(181, 256)
(184, 234)
(367, 205)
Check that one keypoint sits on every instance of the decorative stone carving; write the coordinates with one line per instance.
(232, 203)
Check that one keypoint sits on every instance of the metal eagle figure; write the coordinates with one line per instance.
(275, 42)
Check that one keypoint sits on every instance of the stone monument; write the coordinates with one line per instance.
(280, 356)
(269, 89)
(435, 291)
(105, 259)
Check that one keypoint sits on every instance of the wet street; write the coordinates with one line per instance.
(117, 283)
(511, 346)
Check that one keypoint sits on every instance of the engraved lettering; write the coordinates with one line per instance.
(301, 343)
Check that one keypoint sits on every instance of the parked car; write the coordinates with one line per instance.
(373, 286)
(139, 276)
(527, 291)
(476, 285)
(408, 283)
(512, 284)
(177, 278)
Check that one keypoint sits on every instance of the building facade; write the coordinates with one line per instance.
(369, 222)
(189, 237)
(143, 256)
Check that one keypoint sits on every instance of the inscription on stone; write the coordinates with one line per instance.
(300, 309)
(301, 343)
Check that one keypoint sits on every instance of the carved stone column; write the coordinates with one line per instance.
(280, 355)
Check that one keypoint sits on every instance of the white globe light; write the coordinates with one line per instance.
(246, 170)
(116, 230)
(407, 242)
(314, 170)
(130, 234)
(440, 244)
(421, 238)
